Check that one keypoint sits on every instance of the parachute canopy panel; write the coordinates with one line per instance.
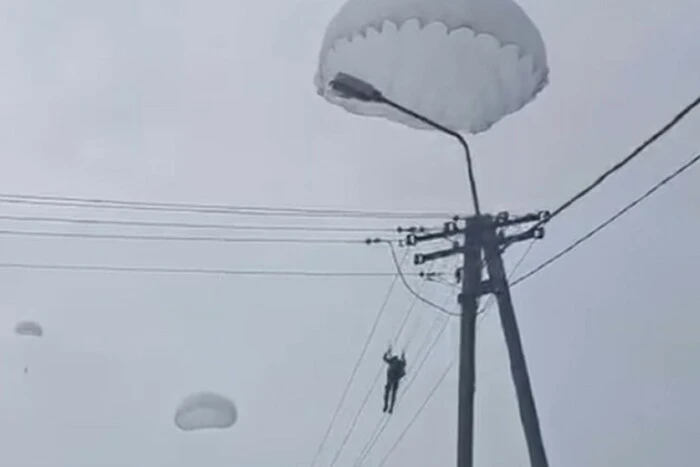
(205, 410)
(462, 63)
(29, 328)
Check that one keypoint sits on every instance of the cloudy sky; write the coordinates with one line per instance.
(213, 102)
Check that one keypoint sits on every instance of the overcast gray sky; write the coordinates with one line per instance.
(213, 102)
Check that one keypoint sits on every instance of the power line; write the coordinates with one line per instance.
(668, 126)
(482, 313)
(435, 341)
(417, 414)
(609, 221)
(351, 428)
(178, 238)
(414, 329)
(558, 211)
(379, 429)
(364, 452)
(383, 422)
(441, 280)
(427, 354)
(522, 258)
(410, 383)
(411, 309)
(190, 271)
(101, 203)
(353, 373)
(416, 325)
(188, 225)
(410, 289)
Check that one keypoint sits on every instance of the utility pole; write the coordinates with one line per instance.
(485, 236)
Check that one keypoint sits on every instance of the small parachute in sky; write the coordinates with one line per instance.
(464, 64)
(29, 328)
(205, 410)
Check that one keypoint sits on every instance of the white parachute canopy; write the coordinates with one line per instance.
(205, 410)
(462, 63)
(29, 328)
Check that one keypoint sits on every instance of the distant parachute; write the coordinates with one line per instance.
(29, 328)
(205, 410)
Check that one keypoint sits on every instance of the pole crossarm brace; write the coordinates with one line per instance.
(450, 229)
(537, 233)
(422, 258)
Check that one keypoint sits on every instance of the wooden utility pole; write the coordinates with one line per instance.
(484, 238)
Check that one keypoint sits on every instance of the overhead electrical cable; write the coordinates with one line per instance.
(383, 422)
(190, 271)
(177, 238)
(481, 314)
(590, 234)
(95, 203)
(419, 411)
(188, 225)
(373, 385)
(353, 373)
(636, 152)
(410, 289)
(553, 259)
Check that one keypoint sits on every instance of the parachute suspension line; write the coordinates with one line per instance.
(419, 411)
(416, 325)
(383, 422)
(414, 329)
(353, 373)
(384, 419)
(418, 321)
(411, 309)
(425, 343)
(375, 381)
(408, 343)
(425, 402)
(426, 355)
